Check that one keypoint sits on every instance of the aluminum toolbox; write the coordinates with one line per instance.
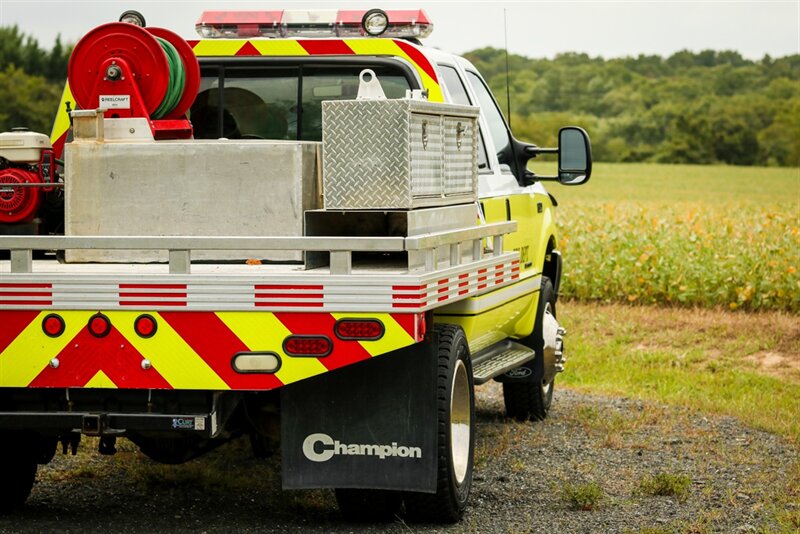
(188, 188)
(398, 154)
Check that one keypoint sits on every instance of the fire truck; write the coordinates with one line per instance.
(306, 229)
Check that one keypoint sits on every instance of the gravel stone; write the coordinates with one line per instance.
(521, 471)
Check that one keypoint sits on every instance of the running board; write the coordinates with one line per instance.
(498, 359)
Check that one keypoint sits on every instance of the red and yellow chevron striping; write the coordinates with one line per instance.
(187, 350)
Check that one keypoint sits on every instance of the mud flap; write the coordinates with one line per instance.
(369, 425)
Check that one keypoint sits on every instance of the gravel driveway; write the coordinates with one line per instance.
(523, 471)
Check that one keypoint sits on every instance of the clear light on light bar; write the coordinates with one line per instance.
(309, 24)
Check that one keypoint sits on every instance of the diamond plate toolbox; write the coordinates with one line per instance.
(398, 154)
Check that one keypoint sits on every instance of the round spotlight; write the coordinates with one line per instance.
(133, 17)
(375, 22)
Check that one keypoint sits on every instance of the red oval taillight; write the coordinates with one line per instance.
(360, 329)
(316, 346)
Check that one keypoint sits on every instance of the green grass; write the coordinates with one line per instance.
(683, 235)
(666, 484)
(585, 497)
(745, 365)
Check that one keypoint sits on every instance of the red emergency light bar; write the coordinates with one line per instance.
(310, 24)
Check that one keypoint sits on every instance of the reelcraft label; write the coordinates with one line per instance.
(115, 101)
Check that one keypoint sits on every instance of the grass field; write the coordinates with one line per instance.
(687, 235)
(745, 365)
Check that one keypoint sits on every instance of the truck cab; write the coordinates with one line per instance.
(409, 304)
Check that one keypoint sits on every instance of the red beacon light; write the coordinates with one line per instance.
(309, 24)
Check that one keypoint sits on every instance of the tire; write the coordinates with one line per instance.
(365, 505)
(18, 463)
(456, 433)
(530, 398)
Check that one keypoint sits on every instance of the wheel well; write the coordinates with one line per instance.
(552, 264)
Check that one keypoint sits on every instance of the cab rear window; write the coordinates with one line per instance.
(278, 102)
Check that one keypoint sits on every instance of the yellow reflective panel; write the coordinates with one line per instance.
(169, 354)
(32, 350)
(263, 332)
(394, 336)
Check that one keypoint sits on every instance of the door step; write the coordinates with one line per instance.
(498, 359)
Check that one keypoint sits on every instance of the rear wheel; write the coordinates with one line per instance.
(456, 433)
(18, 463)
(528, 389)
(368, 504)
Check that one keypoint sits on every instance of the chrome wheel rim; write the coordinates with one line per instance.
(460, 422)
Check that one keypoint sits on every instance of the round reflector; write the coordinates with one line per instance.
(53, 325)
(145, 326)
(316, 346)
(362, 329)
(375, 22)
(99, 325)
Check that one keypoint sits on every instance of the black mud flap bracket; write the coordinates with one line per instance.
(369, 425)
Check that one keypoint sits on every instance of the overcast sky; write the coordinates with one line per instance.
(535, 28)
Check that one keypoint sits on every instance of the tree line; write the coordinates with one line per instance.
(31, 80)
(705, 107)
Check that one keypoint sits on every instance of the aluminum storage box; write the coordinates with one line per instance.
(398, 154)
(188, 188)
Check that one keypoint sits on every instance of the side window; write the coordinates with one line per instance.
(277, 102)
(459, 94)
(497, 125)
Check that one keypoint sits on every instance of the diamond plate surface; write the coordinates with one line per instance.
(397, 154)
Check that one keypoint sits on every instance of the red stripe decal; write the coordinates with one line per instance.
(13, 323)
(214, 342)
(58, 146)
(4, 302)
(248, 50)
(85, 355)
(408, 288)
(321, 324)
(284, 295)
(326, 47)
(418, 58)
(407, 321)
(152, 295)
(152, 286)
(27, 286)
(408, 304)
(464, 283)
(443, 288)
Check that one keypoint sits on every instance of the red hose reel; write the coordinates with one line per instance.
(123, 68)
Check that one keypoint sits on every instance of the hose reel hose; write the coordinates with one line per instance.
(177, 80)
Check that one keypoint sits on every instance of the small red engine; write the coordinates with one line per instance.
(27, 165)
